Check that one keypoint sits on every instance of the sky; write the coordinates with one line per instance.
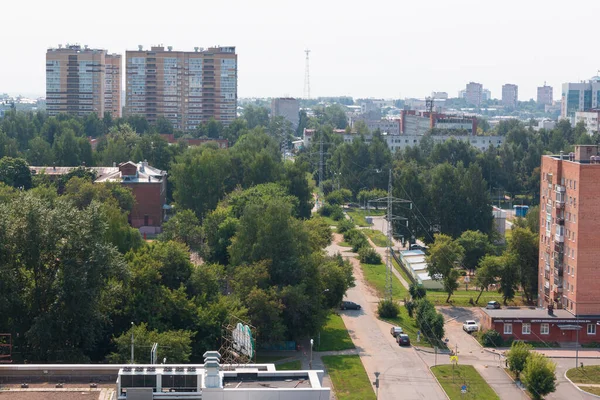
(379, 48)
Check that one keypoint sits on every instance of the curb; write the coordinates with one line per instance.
(578, 388)
(438, 382)
(523, 390)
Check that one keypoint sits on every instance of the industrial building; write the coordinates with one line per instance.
(581, 96)
(415, 264)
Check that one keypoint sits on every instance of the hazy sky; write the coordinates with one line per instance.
(390, 49)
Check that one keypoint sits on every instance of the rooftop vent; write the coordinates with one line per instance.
(140, 47)
(60, 46)
(170, 48)
(196, 49)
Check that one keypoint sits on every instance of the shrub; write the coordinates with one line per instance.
(339, 197)
(388, 309)
(491, 338)
(356, 238)
(517, 356)
(369, 256)
(416, 291)
(429, 321)
(462, 272)
(410, 307)
(345, 225)
(539, 376)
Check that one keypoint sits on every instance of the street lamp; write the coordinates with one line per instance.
(132, 342)
(311, 350)
(376, 383)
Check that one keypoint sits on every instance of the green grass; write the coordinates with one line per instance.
(349, 378)
(591, 389)
(376, 236)
(402, 272)
(452, 381)
(589, 375)
(330, 221)
(334, 335)
(268, 359)
(375, 276)
(461, 297)
(289, 366)
(409, 326)
(359, 216)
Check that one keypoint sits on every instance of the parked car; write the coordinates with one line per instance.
(403, 339)
(396, 330)
(349, 305)
(491, 305)
(415, 246)
(470, 326)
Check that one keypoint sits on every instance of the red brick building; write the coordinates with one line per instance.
(148, 184)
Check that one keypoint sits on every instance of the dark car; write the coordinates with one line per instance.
(491, 305)
(415, 246)
(403, 339)
(349, 305)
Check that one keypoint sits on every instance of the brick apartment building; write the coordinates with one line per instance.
(569, 266)
(148, 185)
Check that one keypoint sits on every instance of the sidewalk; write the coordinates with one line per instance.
(584, 353)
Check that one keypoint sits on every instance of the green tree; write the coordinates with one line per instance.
(256, 159)
(444, 255)
(265, 311)
(219, 228)
(256, 116)
(174, 345)
(523, 253)
(429, 321)
(66, 149)
(39, 152)
(517, 356)
(15, 172)
(539, 376)
(509, 280)
(417, 291)
(183, 227)
(487, 273)
(476, 245)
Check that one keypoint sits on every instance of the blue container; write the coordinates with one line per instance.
(521, 211)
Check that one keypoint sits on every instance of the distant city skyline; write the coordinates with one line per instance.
(394, 50)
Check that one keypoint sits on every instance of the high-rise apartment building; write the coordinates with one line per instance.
(287, 108)
(474, 93)
(569, 272)
(186, 87)
(582, 96)
(75, 80)
(544, 95)
(112, 85)
(510, 95)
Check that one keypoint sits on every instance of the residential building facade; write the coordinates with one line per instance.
(582, 96)
(421, 122)
(112, 85)
(75, 80)
(185, 87)
(544, 95)
(474, 93)
(288, 108)
(590, 119)
(510, 95)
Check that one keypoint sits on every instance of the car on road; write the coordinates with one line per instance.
(492, 305)
(396, 330)
(470, 326)
(349, 305)
(415, 246)
(403, 339)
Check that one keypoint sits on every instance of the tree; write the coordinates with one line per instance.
(417, 291)
(183, 227)
(444, 255)
(66, 149)
(523, 253)
(487, 273)
(265, 311)
(509, 279)
(476, 245)
(429, 321)
(256, 116)
(15, 172)
(175, 345)
(39, 152)
(517, 356)
(539, 376)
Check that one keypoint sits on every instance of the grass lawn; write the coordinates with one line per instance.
(334, 335)
(588, 374)
(402, 272)
(289, 366)
(359, 215)
(349, 378)
(591, 389)
(461, 298)
(344, 244)
(375, 276)
(330, 221)
(477, 387)
(376, 236)
(409, 326)
(269, 359)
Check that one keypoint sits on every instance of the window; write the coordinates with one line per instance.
(526, 328)
(507, 329)
(591, 329)
(545, 329)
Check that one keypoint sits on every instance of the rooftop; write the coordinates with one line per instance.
(524, 312)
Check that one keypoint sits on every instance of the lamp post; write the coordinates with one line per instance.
(311, 350)
(132, 342)
(376, 383)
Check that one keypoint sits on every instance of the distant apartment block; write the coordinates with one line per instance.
(385, 125)
(590, 119)
(474, 93)
(75, 80)
(186, 87)
(287, 108)
(414, 122)
(544, 95)
(439, 95)
(582, 96)
(510, 95)
(112, 85)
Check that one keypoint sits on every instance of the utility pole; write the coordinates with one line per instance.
(320, 167)
(132, 343)
(307, 76)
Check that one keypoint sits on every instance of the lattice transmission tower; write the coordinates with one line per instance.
(307, 75)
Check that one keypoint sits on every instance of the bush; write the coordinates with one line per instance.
(356, 238)
(491, 338)
(388, 309)
(410, 307)
(417, 291)
(429, 321)
(539, 376)
(463, 272)
(345, 225)
(369, 256)
(517, 356)
(339, 197)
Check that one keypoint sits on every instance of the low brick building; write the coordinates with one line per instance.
(148, 185)
(541, 325)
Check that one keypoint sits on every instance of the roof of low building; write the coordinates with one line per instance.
(526, 312)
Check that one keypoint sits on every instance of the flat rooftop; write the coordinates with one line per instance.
(292, 382)
(528, 313)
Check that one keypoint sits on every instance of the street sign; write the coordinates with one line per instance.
(463, 389)
(454, 359)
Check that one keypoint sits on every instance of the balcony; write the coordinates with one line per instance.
(547, 275)
(559, 204)
(560, 189)
(559, 238)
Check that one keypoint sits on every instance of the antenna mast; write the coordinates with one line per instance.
(307, 76)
